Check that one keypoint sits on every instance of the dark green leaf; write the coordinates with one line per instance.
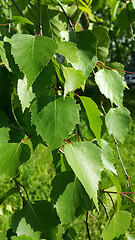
(41, 216)
(69, 197)
(86, 44)
(12, 155)
(103, 42)
(93, 115)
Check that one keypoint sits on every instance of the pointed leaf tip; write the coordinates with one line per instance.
(32, 53)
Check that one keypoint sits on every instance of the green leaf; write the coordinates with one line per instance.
(17, 154)
(86, 44)
(23, 227)
(4, 135)
(69, 197)
(114, 6)
(107, 157)
(117, 226)
(45, 80)
(117, 122)
(26, 96)
(41, 216)
(56, 120)
(110, 84)
(22, 237)
(84, 7)
(103, 42)
(117, 66)
(21, 20)
(7, 194)
(93, 115)
(28, 53)
(74, 79)
(3, 56)
(116, 183)
(84, 158)
(66, 48)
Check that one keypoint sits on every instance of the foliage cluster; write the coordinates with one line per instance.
(50, 50)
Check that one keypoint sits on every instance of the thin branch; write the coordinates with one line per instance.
(86, 223)
(118, 70)
(124, 169)
(19, 190)
(79, 132)
(19, 10)
(40, 19)
(111, 200)
(119, 157)
(127, 197)
(92, 216)
(68, 19)
(105, 208)
(19, 129)
(24, 190)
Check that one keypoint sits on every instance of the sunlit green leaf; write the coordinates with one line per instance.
(117, 122)
(84, 158)
(29, 55)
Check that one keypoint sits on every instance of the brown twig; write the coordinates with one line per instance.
(19, 190)
(105, 208)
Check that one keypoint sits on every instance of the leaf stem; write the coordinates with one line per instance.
(79, 132)
(40, 19)
(119, 70)
(111, 200)
(124, 169)
(19, 190)
(69, 20)
(105, 208)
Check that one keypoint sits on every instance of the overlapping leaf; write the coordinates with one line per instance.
(117, 226)
(74, 79)
(68, 50)
(117, 122)
(93, 115)
(12, 155)
(107, 157)
(86, 44)
(32, 53)
(25, 95)
(56, 120)
(102, 42)
(111, 85)
(69, 197)
(24, 228)
(41, 216)
(84, 158)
